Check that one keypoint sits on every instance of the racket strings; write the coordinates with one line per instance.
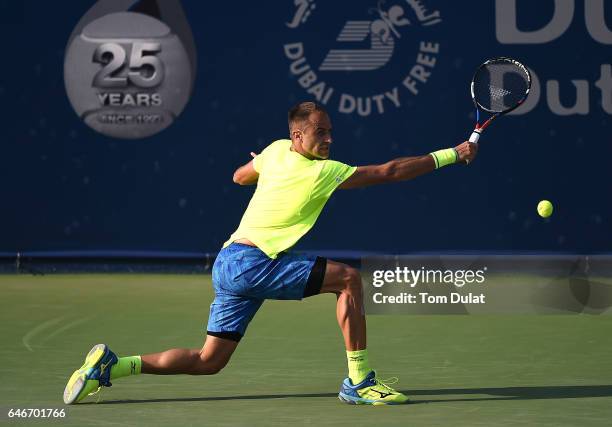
(499, 86)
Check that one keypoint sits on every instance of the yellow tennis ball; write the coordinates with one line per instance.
(545, 208)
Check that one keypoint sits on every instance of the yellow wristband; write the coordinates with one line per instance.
(445, 157)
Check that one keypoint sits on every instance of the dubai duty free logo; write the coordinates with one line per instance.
(129, 67)
(364, 69)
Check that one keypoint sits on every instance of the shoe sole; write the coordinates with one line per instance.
(78, 380)
(358, 401)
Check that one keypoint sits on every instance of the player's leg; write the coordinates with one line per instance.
(208, 360)
(362, 386)
(102, 365)
(345, 282)
(229, 317)
(230, 314)
(228, 320)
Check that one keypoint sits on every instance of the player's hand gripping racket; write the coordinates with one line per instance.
(499, 86)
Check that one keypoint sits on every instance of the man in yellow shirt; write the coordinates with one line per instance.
(294, 178)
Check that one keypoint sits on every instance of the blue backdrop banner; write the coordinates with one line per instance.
(394, 76)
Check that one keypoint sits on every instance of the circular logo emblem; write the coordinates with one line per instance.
(127, 75)
(366, 59)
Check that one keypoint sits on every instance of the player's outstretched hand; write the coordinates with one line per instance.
(253, 155)
(467, 151)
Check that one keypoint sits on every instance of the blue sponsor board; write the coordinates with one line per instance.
(394, 76)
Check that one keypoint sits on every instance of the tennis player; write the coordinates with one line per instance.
(294, 178)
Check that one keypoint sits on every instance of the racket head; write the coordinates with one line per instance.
(500, 85)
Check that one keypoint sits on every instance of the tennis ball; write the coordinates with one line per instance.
(545, 208)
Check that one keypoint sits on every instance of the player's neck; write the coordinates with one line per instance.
(298, 149)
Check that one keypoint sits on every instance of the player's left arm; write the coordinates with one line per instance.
(246, 174)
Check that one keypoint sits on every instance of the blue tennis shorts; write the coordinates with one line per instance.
(244, 276)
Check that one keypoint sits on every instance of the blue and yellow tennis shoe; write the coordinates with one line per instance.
(371, 391)
(93, 375)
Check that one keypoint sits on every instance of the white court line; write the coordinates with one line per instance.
(66, 327)
(27, 337)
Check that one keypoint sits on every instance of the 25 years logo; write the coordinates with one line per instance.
(371, 47)
(130, 66)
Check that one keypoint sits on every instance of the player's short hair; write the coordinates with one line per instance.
(299, 113)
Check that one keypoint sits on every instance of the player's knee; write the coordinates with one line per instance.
(352, 280)
(212, 370)
(205, 366)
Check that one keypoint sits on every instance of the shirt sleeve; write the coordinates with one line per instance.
(258, 162)
(268, 153)
(332, 174)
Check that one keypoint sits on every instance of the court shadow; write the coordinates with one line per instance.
(496, 393)
(512, 393)
(214, 398)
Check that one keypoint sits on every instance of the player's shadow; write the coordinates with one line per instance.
(480, 394)
(512, 393)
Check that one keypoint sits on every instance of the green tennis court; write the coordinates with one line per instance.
(459, 370)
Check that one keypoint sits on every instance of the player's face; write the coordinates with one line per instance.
(315, 136)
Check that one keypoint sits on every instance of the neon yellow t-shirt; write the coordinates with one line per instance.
(291, 192)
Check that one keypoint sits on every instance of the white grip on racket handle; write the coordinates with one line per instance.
(475, 136)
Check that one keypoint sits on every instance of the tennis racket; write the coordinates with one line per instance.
(499, 86)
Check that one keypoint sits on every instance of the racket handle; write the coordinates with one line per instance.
(475, 136)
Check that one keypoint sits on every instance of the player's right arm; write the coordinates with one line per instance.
(406, 168)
